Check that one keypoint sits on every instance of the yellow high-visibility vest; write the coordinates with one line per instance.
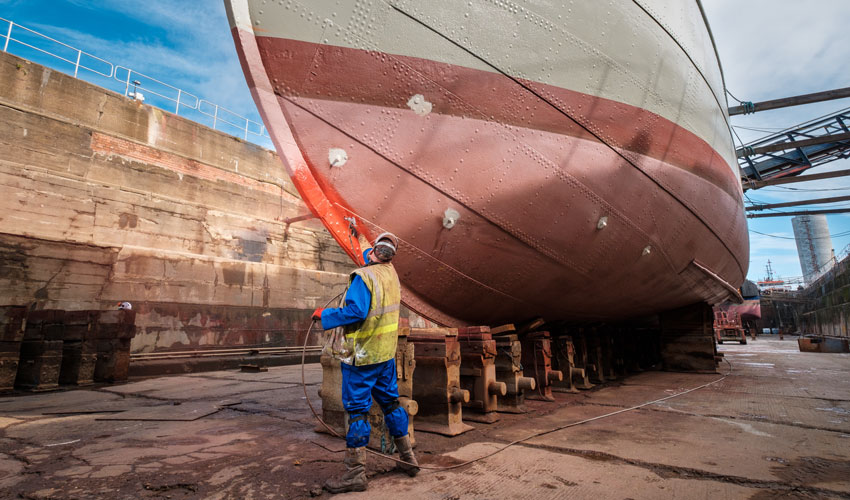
(375, 338)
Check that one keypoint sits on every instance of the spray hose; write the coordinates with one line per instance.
(504, 447)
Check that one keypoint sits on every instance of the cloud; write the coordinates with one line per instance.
(770, 48)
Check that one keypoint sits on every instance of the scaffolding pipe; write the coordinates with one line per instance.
(834, 199)
(784, 146)
(754, 184)
(750, 107)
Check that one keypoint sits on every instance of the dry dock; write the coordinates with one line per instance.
(777, 427)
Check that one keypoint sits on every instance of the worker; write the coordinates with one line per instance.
(125, 305)
(369, 318)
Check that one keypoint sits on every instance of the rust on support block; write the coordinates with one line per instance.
(509, 371)
(478, 374)
(436, 383)
(537, 360)
(564, 357)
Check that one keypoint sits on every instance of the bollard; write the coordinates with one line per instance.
(12, 324)
(537, 362)
(509, 371)
(436, 381)
(333, 411)
(478, 374)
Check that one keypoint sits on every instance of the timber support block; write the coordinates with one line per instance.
(687, 339)
(436, 382)
(478, 374)
(537, 362)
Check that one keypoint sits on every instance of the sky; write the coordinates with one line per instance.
(768, 48)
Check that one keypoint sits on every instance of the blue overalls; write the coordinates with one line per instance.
(361, 383)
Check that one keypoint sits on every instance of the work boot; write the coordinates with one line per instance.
(354, 477)
(405, 452)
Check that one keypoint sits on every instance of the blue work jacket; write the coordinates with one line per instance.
(356, 308)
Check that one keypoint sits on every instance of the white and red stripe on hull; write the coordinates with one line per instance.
(530, 167)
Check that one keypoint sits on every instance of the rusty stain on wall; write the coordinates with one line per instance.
(127, 220)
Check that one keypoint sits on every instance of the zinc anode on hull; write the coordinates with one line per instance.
(593, 172)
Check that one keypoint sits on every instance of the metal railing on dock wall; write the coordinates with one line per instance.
(42, 49)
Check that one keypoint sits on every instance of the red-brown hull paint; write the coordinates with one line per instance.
(529, 183)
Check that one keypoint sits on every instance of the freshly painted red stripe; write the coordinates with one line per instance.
(293, 160)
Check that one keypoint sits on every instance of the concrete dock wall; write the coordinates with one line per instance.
(825, 309)
(104, 199)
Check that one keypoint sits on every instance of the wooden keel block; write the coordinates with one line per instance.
(38, 368)
(12, 325)
(79, 348)
(44, 324)
(687, 339)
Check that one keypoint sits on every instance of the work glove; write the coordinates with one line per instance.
(317, 314)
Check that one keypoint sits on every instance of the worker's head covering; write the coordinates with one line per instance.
(385, 247)
(125, 305)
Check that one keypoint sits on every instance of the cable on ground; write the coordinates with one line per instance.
(504, 447)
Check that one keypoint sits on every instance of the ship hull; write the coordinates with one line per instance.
(565, 204)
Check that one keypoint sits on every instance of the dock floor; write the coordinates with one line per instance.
(778, 426)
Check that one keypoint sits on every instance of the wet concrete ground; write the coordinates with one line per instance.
(777, 427)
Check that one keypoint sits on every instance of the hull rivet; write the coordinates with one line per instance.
(337, 157)
(450, 218)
